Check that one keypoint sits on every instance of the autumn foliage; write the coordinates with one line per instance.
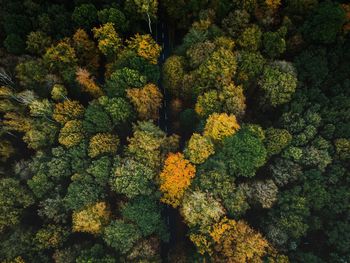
(175, 178)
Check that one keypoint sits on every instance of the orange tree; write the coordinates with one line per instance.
(175, 178)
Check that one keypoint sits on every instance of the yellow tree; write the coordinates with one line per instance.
(68, 110)
(109, 42)
(146, 100)
(235, 241)
(71, 134)
(175, 178)
(145, 46)
(88, 83)
(16, 122)
(199, 148)
(91, 219)
(103, 143)
(220, 126)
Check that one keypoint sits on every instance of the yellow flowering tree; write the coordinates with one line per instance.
(91, 219)
(145, 46)
(109, 42)
(68, 110)
(72, 133)
(220, 126)
(103, 143)
(175, 178)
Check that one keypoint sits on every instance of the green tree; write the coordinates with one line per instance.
(250, 39)
(14, 198)
(85, 15)
(199, 148)
(325, 23)
(96, 119)
(14, 44)
(276, 140)
(37, 42)
(121, 236)
(243, 153)
(115, 16)
(132, 179)
(145, 212)
(277, 86)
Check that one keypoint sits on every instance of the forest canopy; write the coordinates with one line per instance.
(175, 131)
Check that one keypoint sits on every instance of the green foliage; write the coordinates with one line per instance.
(96, 253)
(277, 86)
(132, 179)
(96, 119)
(37, 42)
(83, 191)
(85, 15)
(243, 153)
(325, 23)
(236, 22)
(122, 79)
(121, 236)
(274, 43)
(14, 44)
(115, 16)
(250, 39)
(146, 214)
(14, 198)
(276, 140)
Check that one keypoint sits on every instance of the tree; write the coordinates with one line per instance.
(145, 46)
(87, 53)
(97, 253)
(324, 24)
(235, 22)
(217, 70)
(263, 193)
(60, 56)
(50, 236)
(236, 241)
(103, 143)
(175, 178)
(68, 110)
(14, 44)
(83, 191)
(85, 15)
(233, 100)
(145, 212)
(91, 219)
(96, 119)
(132, 179)
(41, 108)
(199, 52)
(277, 86)
(173, 73)
(109, 42)
(276, 140)
(88, 83)
(243, 153)
(146, 100)
(150, 145)
(220, 126)
(71, 134)
(100, 169)
(118, 109)
(144, 8)
(199, 148)
(250, 66)
(201, 209)
(122, 79)
(59, 92)
(208, 103)
(250, 39)
(115, 16)
(6, 150)
(121, 236)
(342, 147)
(37, 42)
(274, 43)
(14, 198)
